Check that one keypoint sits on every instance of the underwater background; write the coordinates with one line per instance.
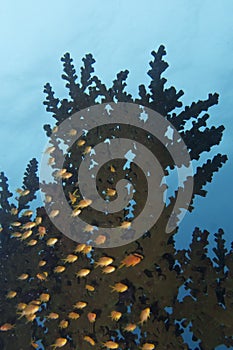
(120, 35)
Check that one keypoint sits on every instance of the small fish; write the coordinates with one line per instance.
(108, 269)
(34, 344)
(54, 213)
(50, 150)
(30, 309)
(145, 314)
(112, 169)
(52, 316)
(83, 204)
(63, 324)
(100, 239)
(11, 294)
(21, 306)
(58, 173)
(26, 235)
(59, 343)
(81, 142)
(115, 315)
(110, 192)
(73, 198)
(111, 344)
(89, 340)
(119, 287)
(59, 269)
(55, 129)
(125, 225)
(41, 232)
(131, 260)
(30, 318)
(90, 288)
(51, 161)
(14, 211)
(72, 132)
(104, 261)
(32, 242)
(38, 220)
(42, 263)
(130, 327)
(86, 250)
(88, 228)
(91, 317)
(80, 248)
(44, 297)
(66, 176)
(16, 235)
(51, 242)
(28, 225)
(83, 273)
(80, 305)
(75, 212)
(71, 258)
(73, 315)
(87, 150)
(42, 276)
(23, 277)
(27, 213)
(16, 224)
(6, 327)
(148, 346)
(48, 199)
(25, 193)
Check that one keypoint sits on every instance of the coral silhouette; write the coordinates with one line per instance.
(55, 291)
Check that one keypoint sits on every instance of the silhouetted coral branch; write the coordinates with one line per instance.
(51, 102)
(205, 173)
(163, 100)
(86, 71)
(117, 90)
(30, 183)
(220, 251)
(199, 141)
(5, 194)
(192, 111)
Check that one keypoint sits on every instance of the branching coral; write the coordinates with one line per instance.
(63, 294)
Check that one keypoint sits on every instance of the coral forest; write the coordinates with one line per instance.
(57, 293)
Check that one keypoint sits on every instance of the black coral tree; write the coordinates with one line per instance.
(205, 307)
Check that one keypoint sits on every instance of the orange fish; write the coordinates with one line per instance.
(131, 260)
(145, 314)
(91, 317)
(6, 327)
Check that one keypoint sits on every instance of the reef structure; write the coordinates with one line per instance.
(62, 294)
